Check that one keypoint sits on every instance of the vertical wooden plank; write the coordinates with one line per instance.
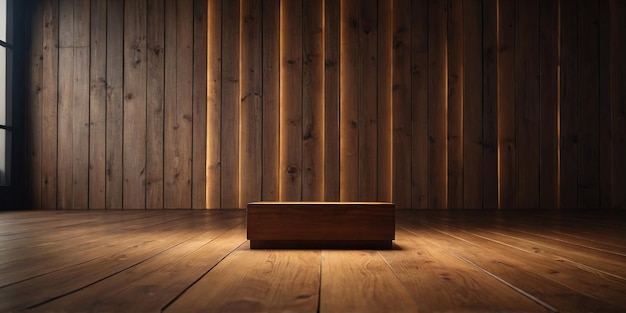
(35, 110)
(97, 105)
(349, 100)
(50, 92)
(569, 104)
(618, 100)
(588, 113)
(385, 123)
(313, 101)
(182, 132)
(155, 98)
(419, 99)
(437, 106)
(251, 101)
(80, 117)
(401, 102)
(214, 103)
(135, 20)
(115, 108)
(548, 41)
(331, 99)
(455, 68)
(291, 101)
(199, 127)
(490, 104)
(66, 94)
(367, 110)
(230, 104)
(170, 160)
(527, 103)
(506, 105)
(606, 149)
(473, 105)
(271, 97)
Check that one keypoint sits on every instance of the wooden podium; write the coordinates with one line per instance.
(321, 225)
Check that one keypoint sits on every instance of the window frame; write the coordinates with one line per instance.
(13, 195)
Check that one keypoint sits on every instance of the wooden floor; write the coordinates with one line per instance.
(200, 261)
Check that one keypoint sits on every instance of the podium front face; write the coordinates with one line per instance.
(320, 225)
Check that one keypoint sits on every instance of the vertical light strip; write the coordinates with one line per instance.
(391, 154)
(209, 143)
(558, 108)
(498, 101)
(281, 97)
(241, 78)
(322, 169)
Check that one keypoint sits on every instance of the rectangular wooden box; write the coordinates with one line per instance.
(317, 225)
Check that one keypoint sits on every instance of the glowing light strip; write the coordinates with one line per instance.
(498, 104)
(239, 101)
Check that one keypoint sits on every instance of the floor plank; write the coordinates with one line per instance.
(199, 260)
(361, 281)
(179, 266)
(441, 282)
(256, 281)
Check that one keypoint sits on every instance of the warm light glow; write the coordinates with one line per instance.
(281, 107)
(241, 78)
(498, 100)
(322, 169)
(558, 108)
(209, 198)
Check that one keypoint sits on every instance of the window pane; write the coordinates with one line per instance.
(3, 85)
(5, 157)
(3, 20)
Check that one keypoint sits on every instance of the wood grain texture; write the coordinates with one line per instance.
(361, 281)
(230, 104)
(473, 108)
(199, 105)
(97, 105)
(569, 105)
(80, 102)
(419, 267)
(155, 103)
(321, 221)
(476, 261)
(332, 20)
(456, 103)
(34, 114)
(178, 176)
(251, 103)
(490, 104)
(368, 104)
(588, 113)
(50, 114)
(260, 280)
(65, 100)
(527, 103)
(271, 98)
(401, 103)
(548, 101)
(384, 93)
(290, 177)
(507, 144)
(214, 104)
(437, 105)
(313, 101)
(134, 155)
(419, 100)
(349, 100)
(115, 105)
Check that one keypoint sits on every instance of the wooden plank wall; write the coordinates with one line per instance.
(426, 103)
